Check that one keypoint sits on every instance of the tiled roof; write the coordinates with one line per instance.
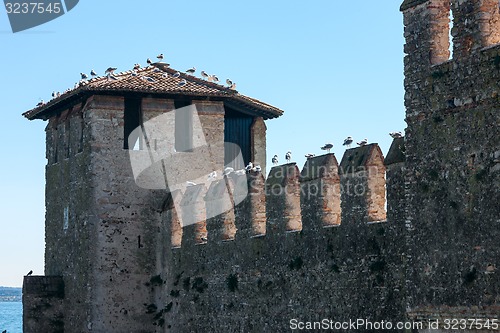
(157, 79)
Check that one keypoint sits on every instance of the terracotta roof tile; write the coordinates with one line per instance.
(157, 79)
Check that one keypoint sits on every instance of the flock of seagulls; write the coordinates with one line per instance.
(228, 171)
(328, 146)
(110, 71)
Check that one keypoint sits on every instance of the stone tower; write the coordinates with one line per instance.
(101, 228)
(452, 157)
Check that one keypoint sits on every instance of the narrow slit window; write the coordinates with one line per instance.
(183, 127)
(132, 119)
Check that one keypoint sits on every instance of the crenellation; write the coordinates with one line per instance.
(193, 215)
(220, 210)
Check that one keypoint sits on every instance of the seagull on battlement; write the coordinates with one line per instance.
(228, 170)
(212, 176)
(249, 166)
(362, 142)
(348, 141)
(191, 70)
(257, 168)
(275, 160)
(327, 147)
(288, 156)
(396, 135)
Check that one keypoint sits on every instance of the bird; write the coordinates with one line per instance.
(54, 94)
(136, 67)
(165, 74)
(160, 57)
(327, 147)
(148, 78)
(204, 75)
(229, 82)
(176, 74)
(156, 70)
(396, 135)
(362, 142)
(58, 94)
(212, 175)
(182, 83)
(275, 160)
(191, 70)
(308, 156)
(288, 156)
(228, 170)
(215, 78)
(4, 331)
(240, 172)
(233, 86)
(249, 166)
(149, 61)
(188, 183)
(29, 273)
(257, 168)
(84, 76)
(93, 73)
(40, 103)
(347, 141)
(110, 70)
(134, 73)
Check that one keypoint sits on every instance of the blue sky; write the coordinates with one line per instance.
(335, 67)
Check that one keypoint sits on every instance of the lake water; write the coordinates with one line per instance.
(11, 317)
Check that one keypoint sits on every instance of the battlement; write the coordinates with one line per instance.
(323, 194)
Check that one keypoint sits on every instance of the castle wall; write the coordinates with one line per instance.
(452, 164)
(259, 284)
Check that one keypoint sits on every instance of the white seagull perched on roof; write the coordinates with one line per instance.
(110, 70)
(40, 103)
(93, 73)
(182, 83)
(229, 82)
(215, 78)
(191, 70)
(308, 156)
(396, 135)
(136, 67)
(233, 86)
(257, 168)
(275, 160)
(149, 61)
(288, 156)
(362, 142)
(348, 141)
(228, 170)
(176, 74)
(160, 57)
(204, 75)
(327, 147)
(249, 166)
(84, 76)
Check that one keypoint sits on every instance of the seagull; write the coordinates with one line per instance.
(156, 70)
(182, 83)
(188, 183)
(233, 86)
(148, 78)
(249, 166)
(396, 135)
(54, 94)
(275, 160)
(93, 73)
(308, 156)
(228, 170)
(84, 76)
(29, 273)
(134, 73)
(165, 74)
(40, 103)
(191, 70)
(110, 70)
(176, 74)
(240, 172)
(229, 82)
(288, 156)
(212, 176)
(257, 168)
(347, 141)
(160, 56)
(204, 75)
(215, 78)
(362, 142)
(327, 147)
(58, 94)
(149, 61)
(136, 67)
